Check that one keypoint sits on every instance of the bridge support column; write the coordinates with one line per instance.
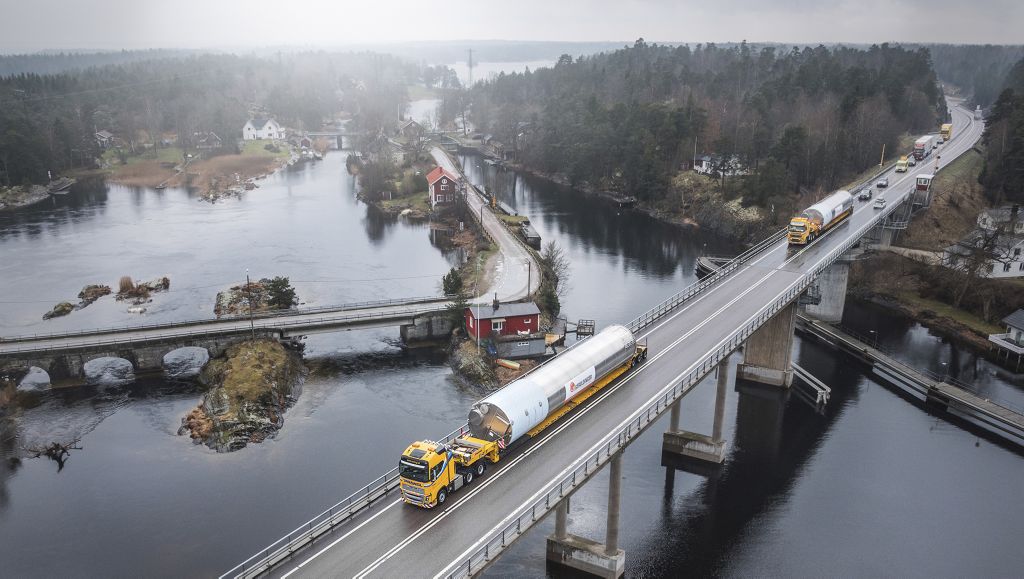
(582, 554)
(832, 288)
(767, 355)
(693, 452)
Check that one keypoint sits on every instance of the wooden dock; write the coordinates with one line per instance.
(935, 391)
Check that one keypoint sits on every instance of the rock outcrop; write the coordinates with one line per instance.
(109, 371)
(250, 388)
(185, 363)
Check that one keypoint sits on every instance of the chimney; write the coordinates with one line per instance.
(495, 303)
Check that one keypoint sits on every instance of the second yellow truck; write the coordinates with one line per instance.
(819, 218)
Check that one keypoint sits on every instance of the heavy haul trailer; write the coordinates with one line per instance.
(430, 471)
(819, 218)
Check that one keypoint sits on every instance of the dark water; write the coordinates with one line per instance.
(875, 487)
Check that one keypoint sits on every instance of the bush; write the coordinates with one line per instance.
(451, 283)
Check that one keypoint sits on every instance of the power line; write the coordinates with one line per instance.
(223, 284)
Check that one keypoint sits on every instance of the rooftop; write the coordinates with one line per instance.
(1016, 319)
(504, 310)
(437, 173)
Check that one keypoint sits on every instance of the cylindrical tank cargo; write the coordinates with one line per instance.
(830, 207)
(517, 408)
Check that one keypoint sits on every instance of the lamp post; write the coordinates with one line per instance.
(529, 277)
(248, 290)
(476, 290)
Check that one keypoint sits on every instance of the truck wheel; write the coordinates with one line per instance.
(441, 496)
(480, 469)
(467, 477)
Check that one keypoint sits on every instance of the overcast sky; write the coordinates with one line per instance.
(30, 25)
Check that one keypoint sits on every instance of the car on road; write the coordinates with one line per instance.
(882, 183)
(880, 203)
(911, 162)
(864, 194)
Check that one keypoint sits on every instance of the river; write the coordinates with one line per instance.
(875, 486)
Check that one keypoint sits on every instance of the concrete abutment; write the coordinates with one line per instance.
(693, 452)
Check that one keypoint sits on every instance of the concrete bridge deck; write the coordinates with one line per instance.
(687, 337)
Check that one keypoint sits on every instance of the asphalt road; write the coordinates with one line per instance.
(513, 263)
(392, 539)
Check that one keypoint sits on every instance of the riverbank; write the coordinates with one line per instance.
(213, 178)
(698, 199)
(25, 195)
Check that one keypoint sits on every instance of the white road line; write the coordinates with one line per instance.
(564, 424)
(621, 425)
(433, 522)
(341, 538)
(549, 436)
(476, 545)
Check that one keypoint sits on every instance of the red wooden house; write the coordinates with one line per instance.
(502, 320)
(443, 187)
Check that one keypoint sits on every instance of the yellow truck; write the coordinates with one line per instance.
(946, 131)
(819, 218)
(901, 165)
(430, 470)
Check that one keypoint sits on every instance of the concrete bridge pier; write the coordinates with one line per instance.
(832, 285)
(682, 449)
(426, 329)
(768, 352)
(581, 554)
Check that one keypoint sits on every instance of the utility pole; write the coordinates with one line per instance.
(882, 160)
(469, 63)
(529, 277)
(248, 290)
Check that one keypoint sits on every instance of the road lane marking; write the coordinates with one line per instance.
(436, 520)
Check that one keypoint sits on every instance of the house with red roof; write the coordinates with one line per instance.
(443, 187)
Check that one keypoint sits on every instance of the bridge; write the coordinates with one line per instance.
(516, 275)
(749, 302)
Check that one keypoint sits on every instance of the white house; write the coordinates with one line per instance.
(255, 129)
(1011, 342)
(998, 240)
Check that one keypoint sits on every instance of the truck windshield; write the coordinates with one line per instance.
(412, 470)
(797, 227)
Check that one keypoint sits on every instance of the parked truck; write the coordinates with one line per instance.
(901, 165)
(820, 217)
(430, 471)
(946, 131)
(923, 146)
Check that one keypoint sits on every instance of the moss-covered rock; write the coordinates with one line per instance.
(251, 385)
(61, 309)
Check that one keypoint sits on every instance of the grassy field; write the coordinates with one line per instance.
(947, 311)
(418, 202)
(957, 199)
(258, 148)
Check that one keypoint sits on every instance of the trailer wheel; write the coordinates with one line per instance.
(480, 469)
(467, 477)
(441, 496)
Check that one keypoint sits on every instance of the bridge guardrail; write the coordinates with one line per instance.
(698, 287)
(264, 326)
(258, 316)
(325, 521)
(528, 514)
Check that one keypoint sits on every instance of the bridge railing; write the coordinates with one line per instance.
(236, 318)
(696, 288)
(325, 521)
(529, 513)
(241, 327)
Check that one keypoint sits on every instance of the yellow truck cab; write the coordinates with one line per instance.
(430, 471)
(946, 131)
(901, 165)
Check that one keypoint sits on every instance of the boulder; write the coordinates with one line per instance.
(185, 363)
(109, 371)
(37, 379)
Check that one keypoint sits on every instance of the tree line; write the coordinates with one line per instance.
(628, 120)
(48, 121)
(1003, 173)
